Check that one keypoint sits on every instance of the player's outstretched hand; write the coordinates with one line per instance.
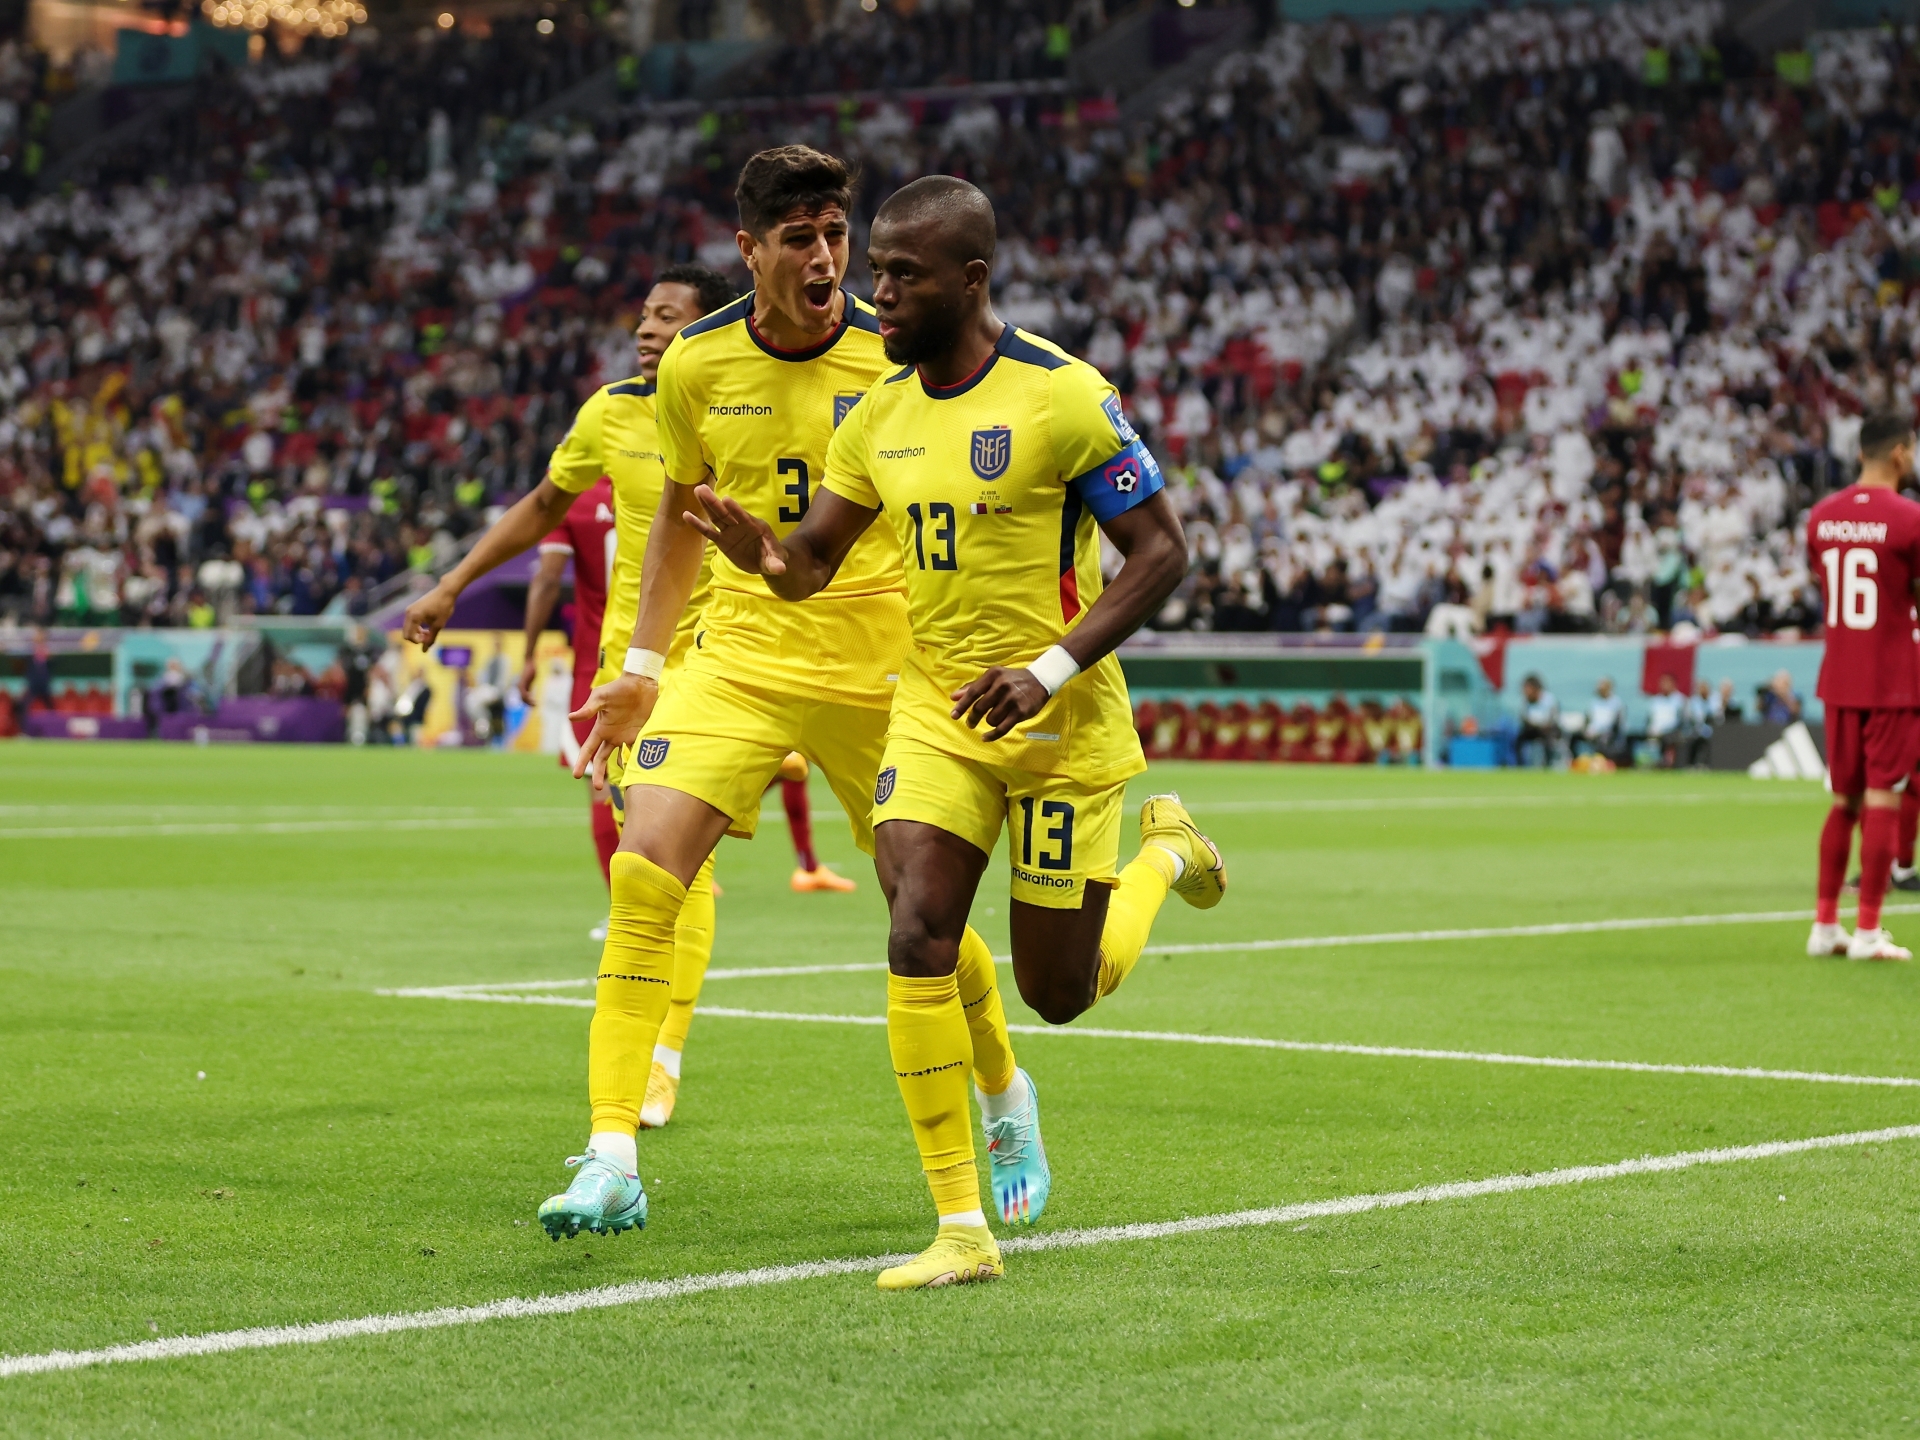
(618, 709)
(428, 616)
(746, 540)
(1001, 697)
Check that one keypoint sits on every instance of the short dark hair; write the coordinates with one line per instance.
(959, 208)
(1881, 431)
(777, 182)
(712, 288)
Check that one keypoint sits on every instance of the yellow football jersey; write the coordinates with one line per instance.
(614, 434)
(992, 488)
(757, 419)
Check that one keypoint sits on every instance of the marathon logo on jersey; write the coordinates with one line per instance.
(992, 452)
(1119, 418)
(744, 408)
(651, 753)
(883, 787)
(843, 404)
(1852, 532)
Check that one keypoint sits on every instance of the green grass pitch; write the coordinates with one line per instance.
(167, 911)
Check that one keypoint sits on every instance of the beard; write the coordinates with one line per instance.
(937, 332)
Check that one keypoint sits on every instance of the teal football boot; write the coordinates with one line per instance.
(1018, 1161)
(600, 1199)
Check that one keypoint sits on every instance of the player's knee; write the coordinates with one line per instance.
(913, 949)
(1060, 998)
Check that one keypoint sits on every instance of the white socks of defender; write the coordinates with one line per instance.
(667, 1060)
(618, 1147)
(1179, 860)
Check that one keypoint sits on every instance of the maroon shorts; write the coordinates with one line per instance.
(1870, 749)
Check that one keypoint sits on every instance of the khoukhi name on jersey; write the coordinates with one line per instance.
(1858, 532)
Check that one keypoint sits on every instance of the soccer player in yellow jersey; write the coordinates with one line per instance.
(993, 457)
(614, 435)
(749, 397)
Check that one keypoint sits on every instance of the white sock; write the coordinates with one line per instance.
(617, 1146)
(1179, 861)
(667, 1060)
(1007, 1101)
(976, 1218)
(1903, 872)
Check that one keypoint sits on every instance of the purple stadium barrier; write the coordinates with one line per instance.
(50, 725)
(261, 718)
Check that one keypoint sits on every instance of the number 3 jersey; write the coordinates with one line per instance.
(759, 419)
(1863, 544)
(993, 488)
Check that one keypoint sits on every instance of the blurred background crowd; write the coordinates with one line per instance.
(1536, 320)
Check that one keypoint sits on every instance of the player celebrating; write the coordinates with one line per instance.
(993, 455)
(750, 396)
(613, 444)
(1864, 544)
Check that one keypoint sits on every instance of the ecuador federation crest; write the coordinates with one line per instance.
(883, 787)
(992, 452)
(650, 753)
(843, 404)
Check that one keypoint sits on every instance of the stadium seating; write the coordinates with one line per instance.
(1544, 320)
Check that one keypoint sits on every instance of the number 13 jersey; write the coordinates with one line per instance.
(1863, 545)
(993, 488)
(759, 419)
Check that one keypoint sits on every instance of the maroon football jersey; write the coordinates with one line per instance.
(1863, 545)
(588, 533)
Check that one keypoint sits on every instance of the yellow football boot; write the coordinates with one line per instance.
(1164, 821)
(959, 1253)
(662, 1090)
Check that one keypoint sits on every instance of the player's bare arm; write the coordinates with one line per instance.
(1154, 549)
(806, 562)
(619, 708)
(543, 593)
(531, 518)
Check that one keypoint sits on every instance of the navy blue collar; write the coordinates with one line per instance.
(812, 352)
(948, 392)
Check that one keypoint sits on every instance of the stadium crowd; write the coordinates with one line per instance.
(1535, 319)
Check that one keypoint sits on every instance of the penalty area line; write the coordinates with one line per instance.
(644, 1291)
(1246, 1042)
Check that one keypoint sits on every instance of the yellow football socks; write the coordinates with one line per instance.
(932, 1053)
(635, 982)
(692, 949)
(1130, 910)
(986, 1014)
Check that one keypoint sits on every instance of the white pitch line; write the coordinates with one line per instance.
(1504, 932)
(283, 827)
(1241, 1042)
(639, 1292)
(1217, 947)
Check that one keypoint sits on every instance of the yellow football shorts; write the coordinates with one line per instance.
(1061, 835)
(723, 742)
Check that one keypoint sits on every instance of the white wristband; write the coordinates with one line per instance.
(1054, 668)
(648, 663)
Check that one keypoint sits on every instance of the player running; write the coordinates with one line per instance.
(750, 397)
(613, 443)
(993, 455)
(1864, 544)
